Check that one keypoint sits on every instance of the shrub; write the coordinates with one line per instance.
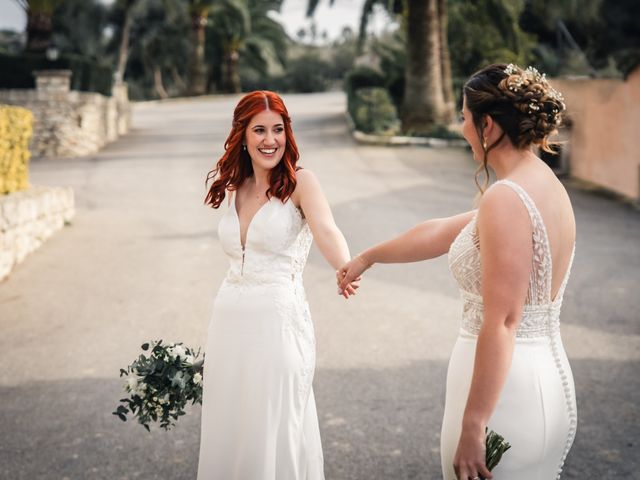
(374, 111)
(87, 75)
(357, 78)
(16, 127)
(307, 73)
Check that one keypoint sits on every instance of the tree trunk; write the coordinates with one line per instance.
(157, 82)
(39, 29)
(198, 68)
(445, 59)
(423, 104)
(231, 76)
(123, 53)
(178, 81)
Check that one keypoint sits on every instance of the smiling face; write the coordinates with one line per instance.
(265, 139)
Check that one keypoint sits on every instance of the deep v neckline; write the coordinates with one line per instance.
(243, 245)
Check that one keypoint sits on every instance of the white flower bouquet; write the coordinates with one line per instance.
(161, 384)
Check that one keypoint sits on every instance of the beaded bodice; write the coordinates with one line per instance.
(541, 313)
(276, 247)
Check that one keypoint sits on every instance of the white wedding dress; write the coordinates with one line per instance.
(536, 412)
(259, 418)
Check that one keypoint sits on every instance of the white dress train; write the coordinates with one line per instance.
(259, 419)
(536, 412)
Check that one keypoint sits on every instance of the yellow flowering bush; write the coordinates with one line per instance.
(16, 128)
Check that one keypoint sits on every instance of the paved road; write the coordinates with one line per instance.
(141, 261)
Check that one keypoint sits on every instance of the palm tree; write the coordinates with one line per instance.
(244, 29)
(126, 6)
(199, 11)
(39, 23)
(156, 55)
(424, 104)
(445, 60)
(159, 43)
(428, 93)
(79, 26)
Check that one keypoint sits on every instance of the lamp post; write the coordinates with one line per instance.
(52, 53)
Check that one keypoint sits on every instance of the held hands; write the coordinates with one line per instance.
(350, 289)
(349, 275)
(469, 461)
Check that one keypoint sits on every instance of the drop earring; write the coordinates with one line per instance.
(484, 144)
(244, 147)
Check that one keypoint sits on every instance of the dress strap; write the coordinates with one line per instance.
(541, 282)
(565, 280)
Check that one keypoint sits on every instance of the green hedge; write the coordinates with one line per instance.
(360, 77)
(87, 75)
(16, 125)
(374, 111)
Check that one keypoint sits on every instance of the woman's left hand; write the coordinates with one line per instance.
(351, 288)
(469, 461)
(351, 272)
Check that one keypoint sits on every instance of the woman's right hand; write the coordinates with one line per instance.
(351, 272)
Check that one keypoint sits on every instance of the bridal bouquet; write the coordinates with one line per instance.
(496, 446)
(161, 384)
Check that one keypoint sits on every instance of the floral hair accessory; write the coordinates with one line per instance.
(519, 78)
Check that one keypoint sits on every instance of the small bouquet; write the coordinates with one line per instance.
(496, 446)
(161, 384)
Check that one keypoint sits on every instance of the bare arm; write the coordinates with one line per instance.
(426, 240)
(327, 235)
(505, 234)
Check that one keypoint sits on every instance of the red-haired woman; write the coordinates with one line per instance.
(259, 416)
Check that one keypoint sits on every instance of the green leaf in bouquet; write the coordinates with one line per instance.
(496, 446)
(123, 372)
(145, 346)
(121, 416)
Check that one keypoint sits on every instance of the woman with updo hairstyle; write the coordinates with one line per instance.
(511, 258)
(259, 419)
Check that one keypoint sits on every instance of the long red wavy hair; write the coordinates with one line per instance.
(234, 167)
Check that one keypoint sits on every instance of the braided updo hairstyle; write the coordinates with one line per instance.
(521, 101)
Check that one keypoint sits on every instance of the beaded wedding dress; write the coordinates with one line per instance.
(536, 412)
(259, 418)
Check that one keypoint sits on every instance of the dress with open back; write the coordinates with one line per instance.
(536, 412)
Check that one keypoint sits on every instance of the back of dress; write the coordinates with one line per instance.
(541, 314)
(539, 390)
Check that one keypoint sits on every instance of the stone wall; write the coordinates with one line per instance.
(70, 123)
(28, 218)
(605, 118)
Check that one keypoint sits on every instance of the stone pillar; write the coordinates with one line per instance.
(54, 124)
(53, 84)
(120, 92)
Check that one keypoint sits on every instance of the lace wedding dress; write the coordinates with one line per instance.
(536, 412)
(259, 418)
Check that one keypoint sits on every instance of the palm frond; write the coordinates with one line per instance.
(271, 32)
(256, 56)
(312, 5)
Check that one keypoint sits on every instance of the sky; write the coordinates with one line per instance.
(332, 19)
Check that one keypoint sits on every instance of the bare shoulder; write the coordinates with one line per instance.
(502, 212)
(306, 183)
(305, 176)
